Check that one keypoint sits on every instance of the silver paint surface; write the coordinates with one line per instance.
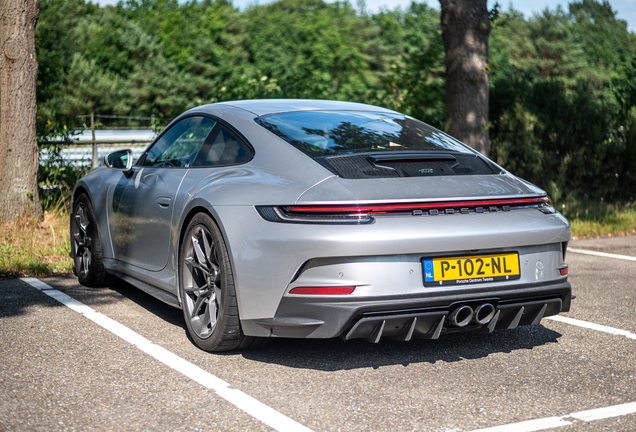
(141, 232)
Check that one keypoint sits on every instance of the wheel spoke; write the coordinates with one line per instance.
(192, 289)
(87, 259)
(81, 219)
(205, 320)
(204, 290)
(82, 265)
(206, 246)
(76, 219)
(194, 265)
(201, 258)
(210, 251)
(213, 308)
(197, 306)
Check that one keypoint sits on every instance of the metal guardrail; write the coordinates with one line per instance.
(94, 142)
(84, 143)
(80, 154)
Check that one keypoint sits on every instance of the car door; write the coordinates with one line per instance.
(141, 205)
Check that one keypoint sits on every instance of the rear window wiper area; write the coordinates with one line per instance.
(411, 164)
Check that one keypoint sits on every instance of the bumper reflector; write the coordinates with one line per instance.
(564, 270)
(323, 290)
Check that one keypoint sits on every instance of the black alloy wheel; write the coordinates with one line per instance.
(86, 246)
(207, 289)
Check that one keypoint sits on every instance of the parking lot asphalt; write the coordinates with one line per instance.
(62, 371)
(616, 245)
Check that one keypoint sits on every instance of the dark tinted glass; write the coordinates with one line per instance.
(222, 147)
(326, 133)
(180, 144)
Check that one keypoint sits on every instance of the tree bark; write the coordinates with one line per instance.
(465, 30)
(18, 143)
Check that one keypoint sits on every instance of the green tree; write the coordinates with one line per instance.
(415, 83)
(55, 42)
(561, 98)
(562, 82)
(86, 88)
(315, 49)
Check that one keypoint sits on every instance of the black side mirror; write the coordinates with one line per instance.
(120, 160)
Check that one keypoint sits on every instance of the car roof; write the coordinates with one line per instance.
(269, 106)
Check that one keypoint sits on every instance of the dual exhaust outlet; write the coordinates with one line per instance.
(463, 315)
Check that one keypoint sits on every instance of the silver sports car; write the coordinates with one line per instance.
(318, 219)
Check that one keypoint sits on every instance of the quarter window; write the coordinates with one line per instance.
(223, 147)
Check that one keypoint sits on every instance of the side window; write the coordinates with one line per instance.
(179, 146)
(223, 147)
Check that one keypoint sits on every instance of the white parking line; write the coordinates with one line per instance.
(247, 403)
(602, 254)
(593, 326)
(590, 415)
(555, 422)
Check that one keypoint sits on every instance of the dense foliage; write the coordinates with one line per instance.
(563, 83)
(563, 100)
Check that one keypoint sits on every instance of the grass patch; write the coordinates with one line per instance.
(32, 247)
(600, 219)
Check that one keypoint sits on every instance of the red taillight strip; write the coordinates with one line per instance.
(323, 290)
(384, 208)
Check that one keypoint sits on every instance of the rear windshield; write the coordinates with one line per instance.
(327, 133)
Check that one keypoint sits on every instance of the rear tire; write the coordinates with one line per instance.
(206, 289)
(86, 246)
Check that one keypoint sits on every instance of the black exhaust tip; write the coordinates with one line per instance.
(483, 313)
(461, 316)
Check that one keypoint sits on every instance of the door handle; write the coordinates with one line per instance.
(164, 202)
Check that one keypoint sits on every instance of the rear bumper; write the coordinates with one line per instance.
(409, 316)
(384, 259)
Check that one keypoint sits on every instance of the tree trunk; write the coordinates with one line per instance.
(465, 30)
(18, 75)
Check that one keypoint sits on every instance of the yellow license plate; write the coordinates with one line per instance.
(461, 270)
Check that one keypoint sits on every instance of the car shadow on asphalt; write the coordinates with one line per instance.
(95, 297)
(318, 354)
(335, 355)
(169, 314)
(18, 297)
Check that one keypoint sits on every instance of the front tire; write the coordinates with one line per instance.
(86, 246)
(206, 288)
